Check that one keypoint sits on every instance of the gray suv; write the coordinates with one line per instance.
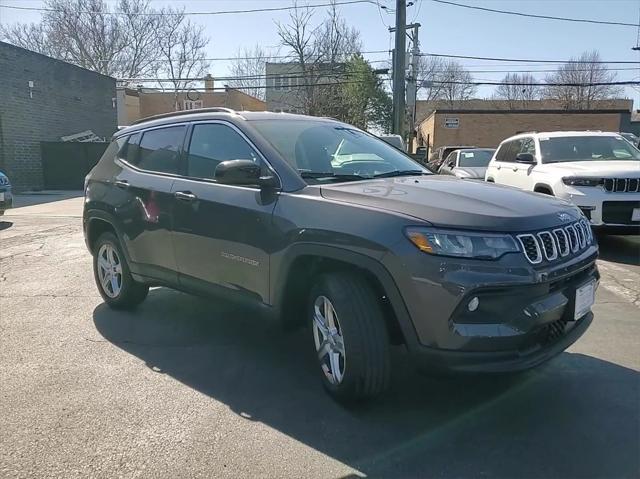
(323, 225)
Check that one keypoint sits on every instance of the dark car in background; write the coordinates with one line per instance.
(6, 198)
(323, 225)
(439, 154)
(469, 163)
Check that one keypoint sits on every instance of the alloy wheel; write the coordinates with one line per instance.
(109, 270)
(329, 341)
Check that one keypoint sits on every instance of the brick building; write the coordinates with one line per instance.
(44, 99)
(487, 128)
(140, 103)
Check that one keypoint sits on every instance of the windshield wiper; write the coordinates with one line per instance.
(390, 174)
(329, 174)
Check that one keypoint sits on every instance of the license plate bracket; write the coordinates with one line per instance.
(585, 297)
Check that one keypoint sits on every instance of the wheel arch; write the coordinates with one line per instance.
(543, 188)
(303, 263)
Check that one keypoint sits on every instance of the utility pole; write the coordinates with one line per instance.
(399, 59)
(412, 81)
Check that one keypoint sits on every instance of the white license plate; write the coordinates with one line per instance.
(585, 297)
(2, 196)
(635, 214)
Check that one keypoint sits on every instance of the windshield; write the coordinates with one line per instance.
(475, 158)
(328, 151)
(586, 148)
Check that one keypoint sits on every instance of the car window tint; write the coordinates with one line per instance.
(527, 146)
(212, 143)
(160, 149)
(511, 150)
(129, 151)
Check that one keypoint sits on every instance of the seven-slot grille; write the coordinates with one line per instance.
(622, 185)
(551, 245)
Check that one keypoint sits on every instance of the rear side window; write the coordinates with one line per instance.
(159, 149)
(509, 150)
(212, 143)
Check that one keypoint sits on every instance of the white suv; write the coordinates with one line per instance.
(599, 172)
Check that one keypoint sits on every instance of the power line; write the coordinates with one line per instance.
(178, 13)
(531, 15)
(521, 60)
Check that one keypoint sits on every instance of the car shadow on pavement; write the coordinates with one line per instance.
(575, 417)
(620, 249)
(5, 225)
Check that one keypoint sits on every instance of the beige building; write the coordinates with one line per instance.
(487, 128)
(135, 104)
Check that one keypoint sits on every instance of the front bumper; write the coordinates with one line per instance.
(524, 316)
(6, 198)
(605, 210)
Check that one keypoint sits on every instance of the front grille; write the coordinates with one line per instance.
(563, 242)
(619, 212)
(622, 185)
(531, 248)
(560, 242)
(548, 245)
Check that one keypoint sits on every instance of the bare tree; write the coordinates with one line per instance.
(249, 68)
(582, 73)
(455, 82)
(518, 90)
(429, 70)
(181, 44)
(125, 41)
(319, 55)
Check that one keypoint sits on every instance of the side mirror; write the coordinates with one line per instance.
(527, 158)
(242, 172)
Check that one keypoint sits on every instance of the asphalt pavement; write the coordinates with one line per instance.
(188, 387)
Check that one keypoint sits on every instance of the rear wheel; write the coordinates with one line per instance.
(113, 277)
(350, 337)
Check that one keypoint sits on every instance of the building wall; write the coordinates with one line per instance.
(289, 98)
(155, 103)
(64, 100)
(424, 108)
(489, 129)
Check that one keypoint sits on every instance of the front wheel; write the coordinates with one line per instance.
(350, 337)
(113, 277)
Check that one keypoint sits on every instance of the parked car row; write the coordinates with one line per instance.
(597, 171)
(6, 199)
(326, 226)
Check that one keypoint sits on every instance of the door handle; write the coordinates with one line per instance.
(185, 196)
(124, 184)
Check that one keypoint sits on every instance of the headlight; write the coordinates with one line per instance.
(461, 243)
(582, 181)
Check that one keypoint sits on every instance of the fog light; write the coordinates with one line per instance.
(473, 304)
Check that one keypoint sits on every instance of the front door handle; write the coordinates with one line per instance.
(124, 184)
(185, 196)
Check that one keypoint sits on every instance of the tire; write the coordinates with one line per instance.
(119, 291)
(359, 337)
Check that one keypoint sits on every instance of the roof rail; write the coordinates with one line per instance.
(215, 109)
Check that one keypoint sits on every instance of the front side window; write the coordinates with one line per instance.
(586, 148)
(159, 149)
(212, 143)
(325, 151)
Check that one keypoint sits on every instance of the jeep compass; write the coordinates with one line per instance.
(321, 224)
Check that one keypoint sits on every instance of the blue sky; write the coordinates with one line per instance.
(445, 29)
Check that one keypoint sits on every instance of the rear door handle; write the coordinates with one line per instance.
(124, 184)
(185, 196)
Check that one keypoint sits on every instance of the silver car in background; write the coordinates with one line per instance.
(467, 163)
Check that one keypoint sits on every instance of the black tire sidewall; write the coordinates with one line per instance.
(131, 292)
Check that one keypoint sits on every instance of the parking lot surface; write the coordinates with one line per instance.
(188, 387)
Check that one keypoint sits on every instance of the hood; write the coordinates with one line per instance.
(470, 171)
(609, 168)
(447, 201)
